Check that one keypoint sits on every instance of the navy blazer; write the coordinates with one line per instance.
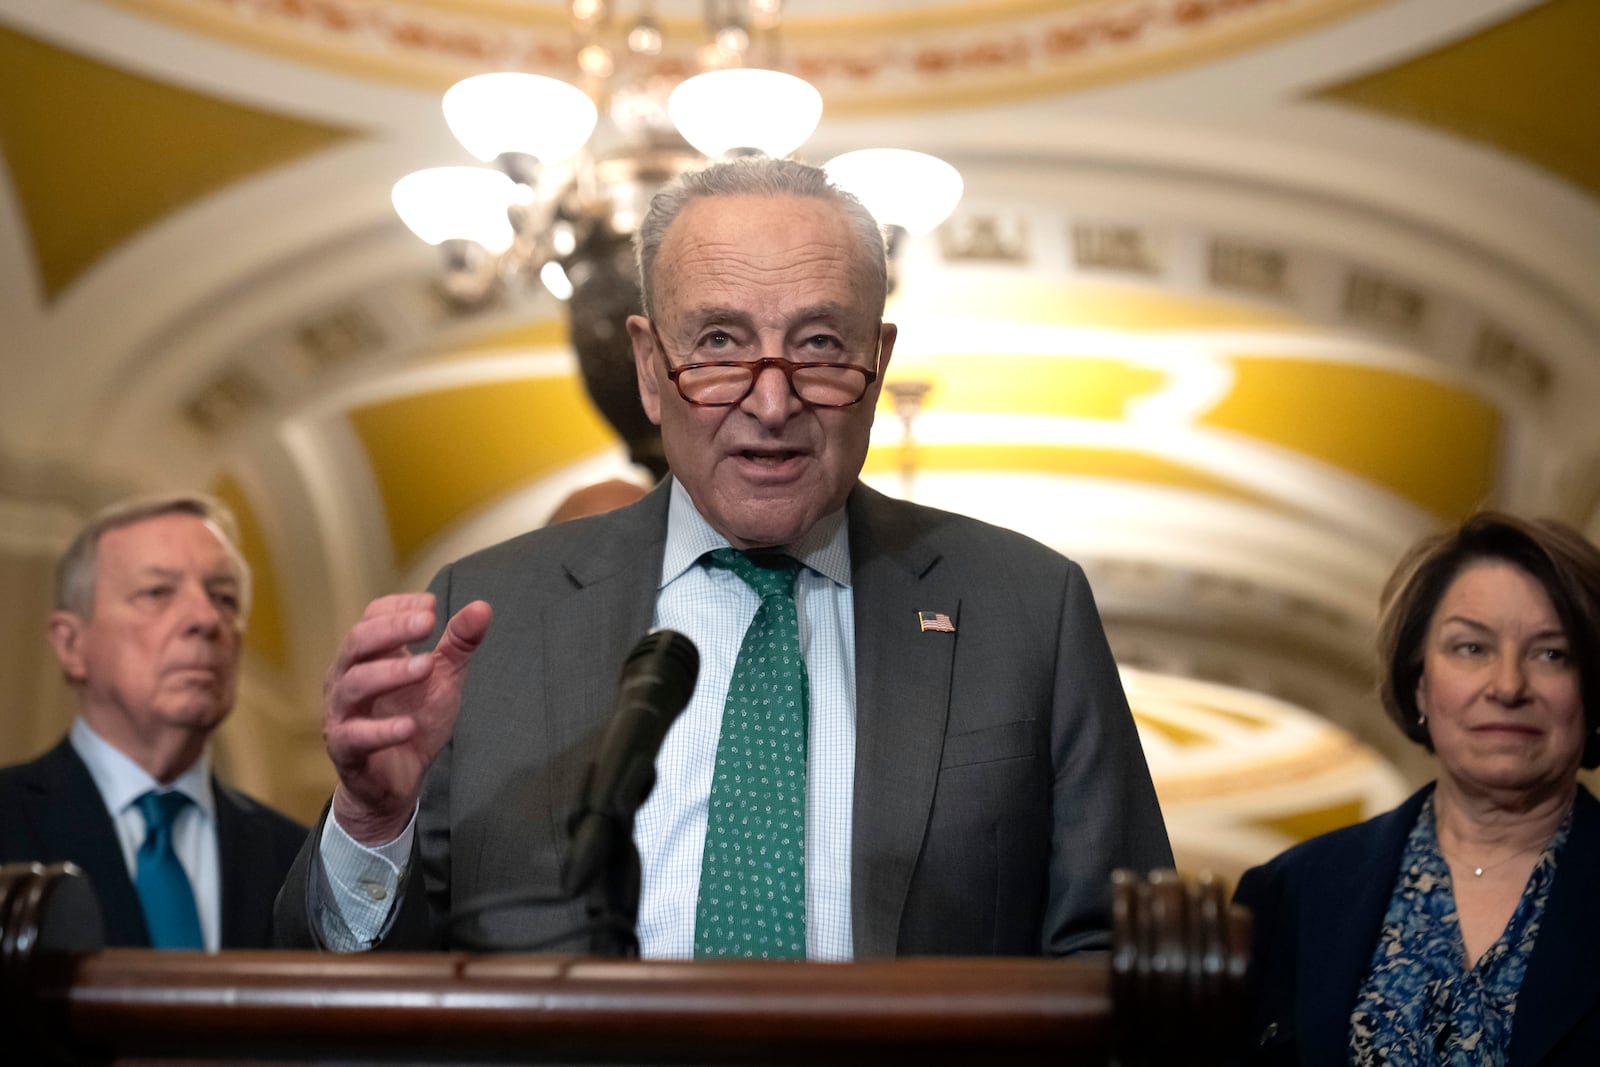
(53, 812)
(1318, 910)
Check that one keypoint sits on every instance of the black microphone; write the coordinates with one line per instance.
(658, 678)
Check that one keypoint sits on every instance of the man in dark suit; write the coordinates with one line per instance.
(971, 774)
(151, 598)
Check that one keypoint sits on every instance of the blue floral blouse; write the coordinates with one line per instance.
(1419, 1006)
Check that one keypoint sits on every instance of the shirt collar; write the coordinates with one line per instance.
(121, 781)
(825, 548)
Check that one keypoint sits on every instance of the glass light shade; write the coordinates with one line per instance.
(555, 279)
(444, 203)
(912, 190)
(766, 110)
(542, 117)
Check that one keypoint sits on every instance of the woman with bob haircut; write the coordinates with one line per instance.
(1463, 927)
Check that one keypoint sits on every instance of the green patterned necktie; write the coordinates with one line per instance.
(753, 874)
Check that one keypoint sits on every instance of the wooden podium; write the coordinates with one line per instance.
(1170, 992)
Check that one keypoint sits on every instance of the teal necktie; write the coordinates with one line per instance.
(753, 874)
(164, 890)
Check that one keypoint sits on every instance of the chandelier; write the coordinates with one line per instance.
(572, 165)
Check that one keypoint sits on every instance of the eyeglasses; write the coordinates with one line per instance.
(822, 385)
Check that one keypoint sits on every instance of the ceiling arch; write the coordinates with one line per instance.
(1241, 299)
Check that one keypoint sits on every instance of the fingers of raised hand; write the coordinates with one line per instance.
(350, 741)
(464, 633)
(361, 683)
(398, 604)
(373, 659)
(389, 625)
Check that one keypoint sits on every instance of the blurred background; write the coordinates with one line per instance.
(1241, 298)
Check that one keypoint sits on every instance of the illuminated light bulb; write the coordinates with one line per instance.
(764, 110)
(457, 203)
(491, 114)
(912, 190)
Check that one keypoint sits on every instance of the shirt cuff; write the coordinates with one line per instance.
(363, 882)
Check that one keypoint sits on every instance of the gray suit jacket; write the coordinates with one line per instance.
(51, 811)
(999, 779)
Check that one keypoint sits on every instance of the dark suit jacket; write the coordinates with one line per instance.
(50, 811)
(999, 779)
(1319, 908)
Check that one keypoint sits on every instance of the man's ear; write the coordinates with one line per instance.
(646, 365)
(889, 331)
(64, 630)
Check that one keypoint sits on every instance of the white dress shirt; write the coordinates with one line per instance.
(713, 607)
(194, 835)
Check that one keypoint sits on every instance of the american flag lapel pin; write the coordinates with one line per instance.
(936, 621)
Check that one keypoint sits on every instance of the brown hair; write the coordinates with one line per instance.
(1555, 555)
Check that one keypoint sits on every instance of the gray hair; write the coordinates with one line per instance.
(755, 176)
(75, 571)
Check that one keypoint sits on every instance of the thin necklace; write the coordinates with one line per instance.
(1477, 870)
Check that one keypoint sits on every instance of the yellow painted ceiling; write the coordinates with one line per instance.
(66, 122)
(97, 154)
(545, 333)
(1084, 386)
(1434, 444)
(1172, 730)
(1085, 304)
(1232, 716)
(439, 456)
(1306, 824)
(1067, 461)
(1529, 86)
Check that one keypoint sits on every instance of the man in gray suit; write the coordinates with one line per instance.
(972, 775)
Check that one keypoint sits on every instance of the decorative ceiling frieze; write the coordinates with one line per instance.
(933, 55)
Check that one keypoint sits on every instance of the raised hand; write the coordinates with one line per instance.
(386, 714)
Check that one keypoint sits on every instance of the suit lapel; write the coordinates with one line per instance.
(67, 807)
(900, 713)
(248, 886)
(616, 576)
(902, 701)
(1562, 982)
(1355, 883)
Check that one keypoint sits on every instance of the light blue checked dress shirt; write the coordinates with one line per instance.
(713, 607)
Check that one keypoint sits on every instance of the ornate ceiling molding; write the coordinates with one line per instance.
(884, 60)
